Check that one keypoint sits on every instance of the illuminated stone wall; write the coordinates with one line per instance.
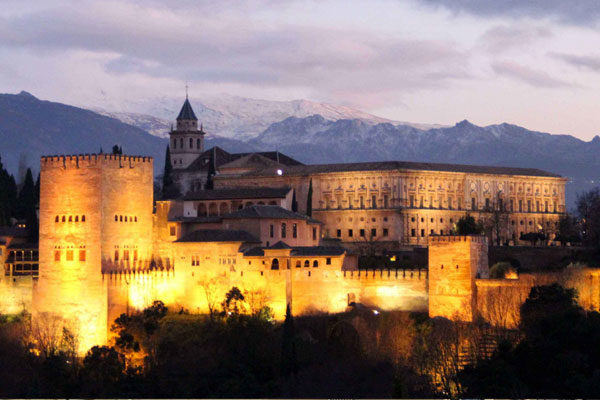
(15, 294)
(80, 196)
(454, 264)
(413, 204)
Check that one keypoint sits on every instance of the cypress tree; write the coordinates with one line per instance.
(27, 206)
(37, 190)
(211, 172)
(294, 202)
(289, 362)
(309, 199)
(169, 187)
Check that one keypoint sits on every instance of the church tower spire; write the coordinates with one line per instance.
(187, 142)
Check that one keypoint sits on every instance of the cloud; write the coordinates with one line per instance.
(575, 12)
(236, 48)
(502, 38)
(538, 79)
(589, 62)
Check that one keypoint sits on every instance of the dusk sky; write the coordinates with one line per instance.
(535, 64)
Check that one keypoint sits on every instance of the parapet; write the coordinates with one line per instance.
(94, 160)
(457, 238)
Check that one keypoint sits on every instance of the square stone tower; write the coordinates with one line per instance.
(95, 214)
(454, 264)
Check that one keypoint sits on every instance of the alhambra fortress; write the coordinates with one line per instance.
(283, 232)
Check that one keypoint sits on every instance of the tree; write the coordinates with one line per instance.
(233, 305)
(27, 206)
(211, 172)
(294, 202)
(169, 187)
(309, 199)
(468, 226)
(588, 208)
(568, 231)
(117, 150)
(289, 362)
(496, 222)
(37, 190)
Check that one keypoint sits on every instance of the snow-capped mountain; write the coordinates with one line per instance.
(228, 116)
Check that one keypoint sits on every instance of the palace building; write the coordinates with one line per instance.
(107, 248)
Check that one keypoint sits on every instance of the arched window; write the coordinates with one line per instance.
(315, 264)
(77, 218)
(298, 264)
(116, 218)
(56, 219)
(83, 218)
(191, 143)
(306, 264)
(70, 218)
(126, 218)
(283, 230)
(120, 218)
(275, 264)
(135, 219)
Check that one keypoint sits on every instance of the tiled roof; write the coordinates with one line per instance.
(317, 251)
(13, 231)
(202, 220)
(186, 112)
(279, 246)
(252, 160)
(402, 165)
(223, 157)
(265, 212)
(239, 193)
(217, 235)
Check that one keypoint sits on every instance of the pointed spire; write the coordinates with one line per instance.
(186, 113)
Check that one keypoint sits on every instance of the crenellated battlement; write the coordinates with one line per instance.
(439, 239)
(387, 274)
(94, 160)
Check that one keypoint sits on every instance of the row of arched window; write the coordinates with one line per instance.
(69, 218)
(299, 264)
(121, 218)
(198, 144)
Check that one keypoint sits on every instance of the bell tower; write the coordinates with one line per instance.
(186, 141)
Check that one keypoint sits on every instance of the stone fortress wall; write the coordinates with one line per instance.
(104, 252)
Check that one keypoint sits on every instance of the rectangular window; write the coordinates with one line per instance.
(411, 200)
(385, 231)
(373, 232)
(520, 205)
(81, 255)
(116, 255)
(528, 205)
(172, 231)
(459, 204)
(271, 230)
(385, 201)
(283, 230)
(126, 255)
(512, 204)
(537, 206)
(487, 204)
(69, 255)
(314, 233)
(350, 232)
(339, 233)
(294, 231)
(328, 261)
(56, 255)
(546, 206)
(362, 233)
(413, 232)
(350, 205)
(449, 202)
(362, 202)
(473, 203)
(422, 232)
(430, 201)
(373, 201)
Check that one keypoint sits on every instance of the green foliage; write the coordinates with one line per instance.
(169, 186)
(533, 237)
(500, 269)
(234, 303)
(8, 196)
(27, 206)
(568, 230)
(212, 171)
(468, 226)
(117, 150)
